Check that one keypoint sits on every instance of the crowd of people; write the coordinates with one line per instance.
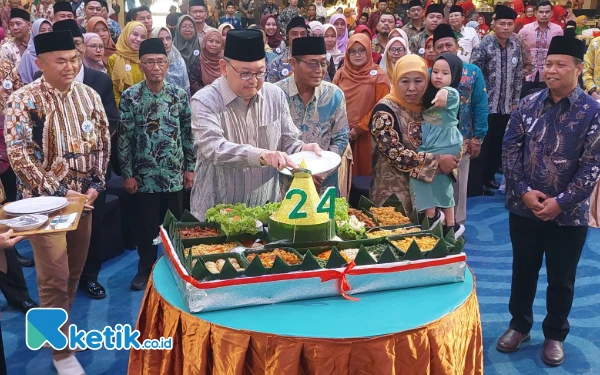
(190, 116)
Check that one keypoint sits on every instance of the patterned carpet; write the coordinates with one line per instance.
(489, 254)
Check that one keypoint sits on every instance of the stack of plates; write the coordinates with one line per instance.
(315, 164)
(39, 205)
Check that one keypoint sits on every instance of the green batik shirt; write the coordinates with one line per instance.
(155, 137)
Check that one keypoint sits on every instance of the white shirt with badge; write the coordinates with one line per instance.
(467, 43)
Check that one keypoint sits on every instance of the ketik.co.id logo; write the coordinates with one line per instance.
(43, 325)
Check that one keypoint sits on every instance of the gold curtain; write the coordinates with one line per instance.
(450, 345)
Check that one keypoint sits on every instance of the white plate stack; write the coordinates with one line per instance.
(36, 211)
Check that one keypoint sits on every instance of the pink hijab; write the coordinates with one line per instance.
(342, 40)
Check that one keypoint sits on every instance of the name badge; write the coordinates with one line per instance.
(7, 85)
(127, 68)
(285, 72)
(278, 50)
(196, 52)
(87, 126)
(421, 51)
(373, 72)
(328, 56)
(514, 61)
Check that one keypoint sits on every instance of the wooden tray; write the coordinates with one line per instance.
(75, 205)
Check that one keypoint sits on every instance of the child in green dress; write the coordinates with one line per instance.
(440, 135)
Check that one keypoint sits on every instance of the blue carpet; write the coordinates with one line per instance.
(489, 253)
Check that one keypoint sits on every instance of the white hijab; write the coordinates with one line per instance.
(383, 64)
(335, 52)
(321, 11)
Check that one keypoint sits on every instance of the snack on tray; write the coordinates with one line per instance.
(198, 232)
(392, 232)
(268, 258)
(362, 217)
(210, 249)
(388, 216)
(425, 243)
(216, 267)
(349, 254)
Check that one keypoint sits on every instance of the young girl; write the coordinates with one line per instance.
(440, 135)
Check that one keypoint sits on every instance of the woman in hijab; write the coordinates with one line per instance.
(274, 37)
(223, 29)
(429, 52)
(365, 30)
(559, 15)
(316, 28)
(395, 49)
(350, 21)
(364, 83)
(396, 129)
(94, 52)
(177, 73)
(186, 40)
(580, 22)
(206, 68)
(99, 26)
(483, 28)
(341, 29)
(399, 32)
(27, 67)
(321, 10)
(124, 66)
(334, 55)
(529, 16)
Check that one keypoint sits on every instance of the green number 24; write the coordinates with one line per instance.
(326, 204)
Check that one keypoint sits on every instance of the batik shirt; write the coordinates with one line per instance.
(376, 46)
(279, 68)
(285, 17)
(266, 9)
(323, 120)
(411, 31)
(502, 68)
(10, 81)
(467, 40)
(473, 110)
(554, 148)
(417, 43)
(9, 51)
(591, 75)
(155, 137)
(538, 42)
(57, 142)
(114, 28)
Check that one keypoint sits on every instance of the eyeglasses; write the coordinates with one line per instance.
(150, 64)
(99, 47)
(397, 50)
(314, 64)
(247, 76)
(188, 27)
(357, 52)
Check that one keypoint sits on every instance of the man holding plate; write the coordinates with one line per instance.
(242, 126)
(58, 144)
(318, 108)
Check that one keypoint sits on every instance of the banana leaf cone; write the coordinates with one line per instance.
(187, 217)
(335, 259)
(280, 266)
(458, 246)
(310, 263)
(440, 250)
(363, 258)
(387, 256)
(199, 272)
(413, 252)
(450, 237)
(169, 218)
(255, 268)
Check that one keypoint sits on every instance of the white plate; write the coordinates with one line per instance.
(35, 205)
(315, 164)
(30, 222)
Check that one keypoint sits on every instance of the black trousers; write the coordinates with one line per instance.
(150, 211)
(12, 283)
(562, 245)
(246, 22)
(492, 145)
(93, 263)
